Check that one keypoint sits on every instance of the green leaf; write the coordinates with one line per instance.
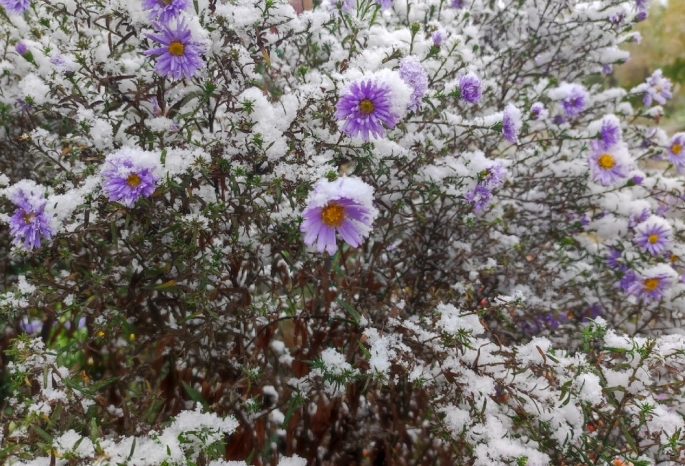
(194, 395)
(47, 437)
(350, 310)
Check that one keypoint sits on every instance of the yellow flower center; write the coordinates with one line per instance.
(366, 106)
(651, 283)
(176, 48)
(676, 148)
(133, 180)
(333, 214)
(606, 161)
(166, 2)
(28, 218)
(674, 258)
(653, 239)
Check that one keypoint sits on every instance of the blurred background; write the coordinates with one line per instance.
(662, 46)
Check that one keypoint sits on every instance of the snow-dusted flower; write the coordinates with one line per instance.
(511, 123)
(438, 37)
(592, 312)
(610, 132)
(365, 108)
(658, 89)
(165, 10)
(458, 4)
(650, 286)
(479, 197)
(21, 48)
(384, 3)
(676, 150)
(127, 175)
(538, 111)
(15, 7)
(653, 235)
(179, 56)
(488, 180)
(63, 64)
(470, 88)
(607, 69)
(641, 16)
(412, 72)
(607, 165)
(344, 206)
(575, 101)
(29, 222)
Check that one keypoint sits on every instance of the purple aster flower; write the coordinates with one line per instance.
(658, 89)
(180, 55)
(607, 69)
(31, 327)
(576, 100)
(344, 206)
(639, 218)
(156, 109)
(479, 197)
(537, 111)
(613, 259)
(458, 4)
(63, 64)
(650, 287)
(384, 3)
(21, 48)
(511, 123)
(642, 4)
(29, 222)
(617, 20)
(641, 16)
(636, 38)
(592, 312)
(653, 235)
(637, 179)
(676, 152)
(559, 120)
(470, 88)
(489, 179)
(15, 7)
(628, 280)
(438, 37)
(412, 72)
(610, 132)
(365, 108)
(606, 165)
(126, 177)
(165, 10)
(493, 176)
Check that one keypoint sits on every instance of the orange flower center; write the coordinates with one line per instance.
(651, 283)
(133, 180)
(28, 218)
(176, 48)
(674, 258)
(166, 2)
(606, 161)
(366, 106)
(333, 214)
(676, 148)
(653, 239)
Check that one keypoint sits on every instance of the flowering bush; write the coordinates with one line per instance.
(395, 232)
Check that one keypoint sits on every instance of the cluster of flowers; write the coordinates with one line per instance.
(334, 187)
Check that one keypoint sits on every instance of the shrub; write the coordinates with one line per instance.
(374, 233)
